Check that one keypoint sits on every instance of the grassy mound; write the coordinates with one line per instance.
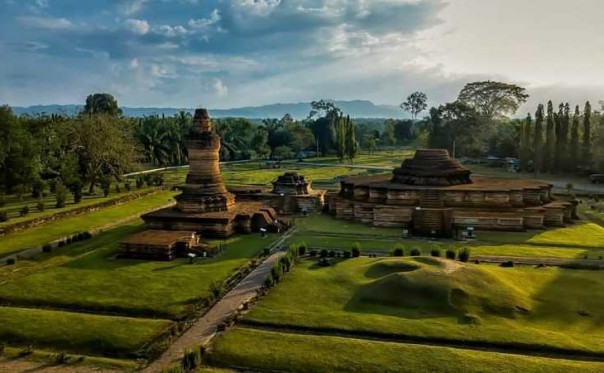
(439, 288)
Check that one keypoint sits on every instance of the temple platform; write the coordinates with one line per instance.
(243, 217)
(157, 244)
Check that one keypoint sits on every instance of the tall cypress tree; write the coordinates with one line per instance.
(351, 142)
(574, 141)
(564, 156)
(538, 139)
(340, 125)
(526, 153)
(557, 156)
(548, 149)
(586, 146)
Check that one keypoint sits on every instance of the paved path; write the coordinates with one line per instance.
(205, 328)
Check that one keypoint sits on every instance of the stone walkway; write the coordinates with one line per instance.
(205, 328)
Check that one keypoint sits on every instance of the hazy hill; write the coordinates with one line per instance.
(356, 109)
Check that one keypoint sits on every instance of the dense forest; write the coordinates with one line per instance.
(97, 146)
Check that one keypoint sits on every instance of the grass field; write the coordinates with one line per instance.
(76, 332)
(86, 276)
(260, 350)
(576, 241)
(425, 298)
(38, 236)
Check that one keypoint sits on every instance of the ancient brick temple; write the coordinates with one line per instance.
(432, 194)
(205, 208)
(291, 194)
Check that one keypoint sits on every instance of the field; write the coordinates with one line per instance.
(577, 241)
(258, 349)
(79, 298)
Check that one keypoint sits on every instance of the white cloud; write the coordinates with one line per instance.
(138, 26)
(205, 23)
(219, 88)
(172, 31)
(133, 64)
(46, 22)
(130, 7)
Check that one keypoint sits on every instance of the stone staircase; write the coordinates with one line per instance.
(430, 220)
(430, 198)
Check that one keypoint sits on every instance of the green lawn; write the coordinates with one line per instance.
(76, 332)
(380, 158)
(260, 350)
(38, 236)
(86, 276)
(418, 297)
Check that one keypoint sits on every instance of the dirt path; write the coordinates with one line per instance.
(29, 366)
(206, 327)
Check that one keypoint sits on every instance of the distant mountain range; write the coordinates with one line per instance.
(356, 109)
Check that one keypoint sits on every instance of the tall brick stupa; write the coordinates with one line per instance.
(204, 190)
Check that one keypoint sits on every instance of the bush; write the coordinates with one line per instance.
(127, 186)
(398, 252)
(158, 179)
(139, 182)
(2, 201)
(269, 282)
(68, 241)
(106, 186)
(24, 211)
(61, 243)
(174, 369)
(3, 216)
(191, 360)
(347, 254)
(302, 249)
(47, 248)
(216, 288)
(464, 254)
(416, 252)
(11, 261)
(40, 206)
(61, 195)
(507, 264)
(356, 250)
(324, 262)
(332, 254)
(118, 189)
(61, 358)
(435, 253)
(323, 253)
(277, 272)
(312, 253)
(451, 254)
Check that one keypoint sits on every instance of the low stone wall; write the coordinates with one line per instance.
(74, 212)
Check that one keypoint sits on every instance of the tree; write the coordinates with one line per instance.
(341, 124)
(493, 100)
(415, 104)
(323, 128)
(574, 141)
(369, 142)
(548, 149)
(526, 151)
(299, 137)
(455, 126)
(102, 103)
(538, 139)
(351, 142)
(388, 134)
(558, 153)
(586, 146)
(564, 139)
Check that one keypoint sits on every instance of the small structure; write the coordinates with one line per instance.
(158, 244)
(434, 195)
(291, 194)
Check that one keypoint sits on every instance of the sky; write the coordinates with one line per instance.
(223, 54)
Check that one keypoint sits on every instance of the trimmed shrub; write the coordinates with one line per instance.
(3, 216)
(68, 241)
(332, 254)
(106, 186)
(61, 243)
(47, 248)
(269, 281)
(313, 253)
(464, 254)
(191, 360)
(61, 195)
(302, 248)
(11, 261)
(356, 251)
(324, 262)
(347, 254)
(61, 358)
(216, 288)
(451, 254)
(323, 253)
(435, 253)
(40, 206)
(507, 264)
(416, 252)
(398, 252)
(127, 186)
(24, 211)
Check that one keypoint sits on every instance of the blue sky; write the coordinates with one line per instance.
(185, 53)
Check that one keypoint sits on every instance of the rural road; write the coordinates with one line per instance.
(206, 327)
